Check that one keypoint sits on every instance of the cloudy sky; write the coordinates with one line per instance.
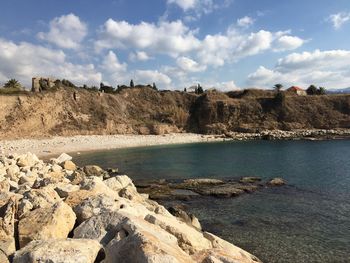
(228, 44)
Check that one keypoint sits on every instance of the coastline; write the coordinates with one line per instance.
(84, 143)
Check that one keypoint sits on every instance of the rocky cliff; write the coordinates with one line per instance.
(57, 212)
(69, 111)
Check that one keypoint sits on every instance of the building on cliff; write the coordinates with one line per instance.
(297, 91)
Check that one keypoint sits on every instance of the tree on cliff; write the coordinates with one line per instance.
(321, 91)
(12, 84)
(154, 86)
(132, 84)
(199, 89)
(311, 90)
(278, 87)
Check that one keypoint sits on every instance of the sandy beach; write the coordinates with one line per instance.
(74, 144)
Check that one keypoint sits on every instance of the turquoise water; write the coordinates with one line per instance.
(306, 221)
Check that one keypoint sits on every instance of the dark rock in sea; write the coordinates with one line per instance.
(250, 179)
(225, 190)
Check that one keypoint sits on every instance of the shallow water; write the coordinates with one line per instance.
(306, 221)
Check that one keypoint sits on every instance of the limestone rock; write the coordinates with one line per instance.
(63, 190)
(56, 168)
(93, 170)
(63, 157)
(59, 251)
(69, 165)
(27, 159)
(3, 257)
(189, 238)
(12, 172)
(45, 223)
(24, 206)
(102, 227)
(277, 182)
(75, 198)
(205, 181)
(148, 243)
(76, 177)
(7, 227)
(42, 197)
(224, 251)
(119, 182)
(5, 185)
(250, 179)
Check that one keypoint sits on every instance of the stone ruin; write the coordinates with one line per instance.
(40, 84)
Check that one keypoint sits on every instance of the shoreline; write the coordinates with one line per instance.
(85, 143)
(46, 147)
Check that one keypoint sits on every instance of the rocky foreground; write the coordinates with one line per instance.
(56, 212)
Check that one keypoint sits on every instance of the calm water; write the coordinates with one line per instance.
(306, 221)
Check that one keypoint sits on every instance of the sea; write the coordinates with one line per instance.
(308, 220)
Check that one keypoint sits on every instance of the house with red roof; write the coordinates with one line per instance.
(297, 91)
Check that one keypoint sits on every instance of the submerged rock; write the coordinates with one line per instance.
(277, 182)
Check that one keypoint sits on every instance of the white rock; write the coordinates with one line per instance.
(59, 251)
(52, 222)
(63, 157)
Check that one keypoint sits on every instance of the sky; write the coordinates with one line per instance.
(226, 44)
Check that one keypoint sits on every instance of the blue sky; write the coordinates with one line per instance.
(227, 44)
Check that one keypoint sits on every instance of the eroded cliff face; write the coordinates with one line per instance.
(145, 111)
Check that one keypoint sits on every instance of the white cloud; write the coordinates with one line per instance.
(245, 22)
(322, 68)
(339, 19)
(184, 4)
(139, 56)
(24, 61)
(285, 43)
(150, 76)
(66, 31)
(170, 38)
(189, 65)
(111, 63)
(218, 49)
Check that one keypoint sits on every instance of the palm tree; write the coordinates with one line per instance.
(13, 83)
(278, 87)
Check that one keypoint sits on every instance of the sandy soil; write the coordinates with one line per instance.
(58, 145)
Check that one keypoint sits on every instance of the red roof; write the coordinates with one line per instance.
(294, 88)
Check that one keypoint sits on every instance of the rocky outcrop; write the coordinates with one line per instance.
(88, 215)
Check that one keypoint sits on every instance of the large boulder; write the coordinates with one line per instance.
(93, 170)
(42, 197)
(7, 227)
(139, 241)
(54, 222)
(189, 238)
(119, 182)
(27, 159)
(59, 251)
(102, 227)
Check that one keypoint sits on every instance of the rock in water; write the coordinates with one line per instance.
(52, 222)
(277, 182)
(59, 251)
